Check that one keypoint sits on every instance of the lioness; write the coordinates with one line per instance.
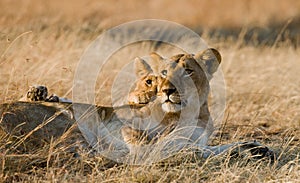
(175, 101)
(182, 88)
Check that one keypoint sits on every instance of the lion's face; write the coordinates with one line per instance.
(145, 90)
(182, 80)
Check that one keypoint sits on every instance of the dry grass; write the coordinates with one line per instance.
(42, 41)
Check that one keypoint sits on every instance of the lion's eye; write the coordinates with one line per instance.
(188, 72)
(164, 72)
(149, 81)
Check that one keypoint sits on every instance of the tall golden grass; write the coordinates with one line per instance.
(41, 42)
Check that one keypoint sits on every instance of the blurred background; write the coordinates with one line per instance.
(259, 21)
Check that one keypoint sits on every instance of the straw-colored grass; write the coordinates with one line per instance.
(41, 43)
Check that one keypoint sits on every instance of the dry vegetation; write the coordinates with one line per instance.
(42, 41)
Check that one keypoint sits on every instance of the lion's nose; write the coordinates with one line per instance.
(169, 91)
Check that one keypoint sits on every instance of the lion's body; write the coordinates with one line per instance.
(36, 123)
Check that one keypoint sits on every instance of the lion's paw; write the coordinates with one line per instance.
(256, 149)
(36, 93)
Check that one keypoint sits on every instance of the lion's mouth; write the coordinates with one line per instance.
(172, 106)
(172, 101)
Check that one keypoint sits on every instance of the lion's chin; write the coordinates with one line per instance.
(169, 107)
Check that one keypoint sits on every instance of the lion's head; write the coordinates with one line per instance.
(145, 89)
(184, 80)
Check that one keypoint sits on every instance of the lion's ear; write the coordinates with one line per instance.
(155, 60)
(211, 59)
(141, 67)
(156, 57)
